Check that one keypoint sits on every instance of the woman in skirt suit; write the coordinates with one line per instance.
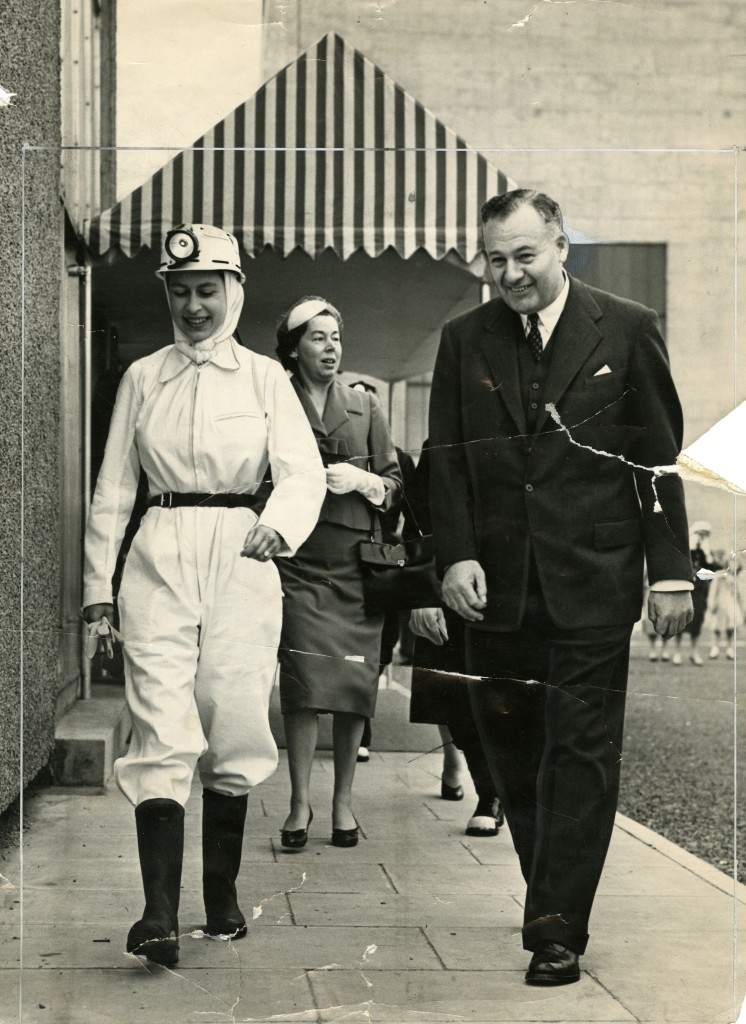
(330, 647)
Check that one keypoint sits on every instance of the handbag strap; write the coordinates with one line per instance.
(376, 518)
(414, 517)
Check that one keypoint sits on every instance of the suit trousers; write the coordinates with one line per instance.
(549, 707)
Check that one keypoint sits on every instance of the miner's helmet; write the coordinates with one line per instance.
(200, 247)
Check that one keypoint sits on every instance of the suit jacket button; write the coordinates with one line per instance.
(534, 405)
(529, 487)
(535, 386)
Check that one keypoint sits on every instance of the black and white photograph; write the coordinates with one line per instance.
(373, 601)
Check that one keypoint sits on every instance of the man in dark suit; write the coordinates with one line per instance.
(551, 406)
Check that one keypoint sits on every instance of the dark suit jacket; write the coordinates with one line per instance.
(497, 492)
(353, 429)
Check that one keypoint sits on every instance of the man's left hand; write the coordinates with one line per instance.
(670, 611)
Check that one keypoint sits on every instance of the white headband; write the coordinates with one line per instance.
(306, 311)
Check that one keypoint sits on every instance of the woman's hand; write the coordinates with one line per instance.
(429, 623)
(344, 478)
(262, 543)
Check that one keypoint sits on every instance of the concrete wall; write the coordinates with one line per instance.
(29, 497)
(563, 96)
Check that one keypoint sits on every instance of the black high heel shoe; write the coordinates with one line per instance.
(450, 792)
(296, 838)
(345, 837)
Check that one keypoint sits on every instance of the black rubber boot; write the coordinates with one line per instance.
(223, 820)
(160, 841)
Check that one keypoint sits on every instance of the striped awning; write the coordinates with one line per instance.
(329, 154)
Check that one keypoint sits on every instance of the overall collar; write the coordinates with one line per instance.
(176, 362)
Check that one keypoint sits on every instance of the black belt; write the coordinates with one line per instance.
(178, 499)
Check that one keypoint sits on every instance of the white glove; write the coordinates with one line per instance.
(344, 478)
(101, 634)
(429, 623)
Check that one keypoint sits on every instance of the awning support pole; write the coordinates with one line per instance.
(84, 273)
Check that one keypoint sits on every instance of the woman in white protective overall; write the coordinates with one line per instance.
(200, 602)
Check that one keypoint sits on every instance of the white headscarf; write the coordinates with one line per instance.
(202, 351)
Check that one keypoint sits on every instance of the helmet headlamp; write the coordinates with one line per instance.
(181, 245)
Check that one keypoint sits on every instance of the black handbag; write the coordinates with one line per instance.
(399, 576)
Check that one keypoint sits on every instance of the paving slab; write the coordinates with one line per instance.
(400, 997)
(113, 908)
(627, 879)
(663, 915)
(417, 910)
(138, 995)
(677, 993)
(495, 947)
(397, 849)
(473, 879)
(102, 945)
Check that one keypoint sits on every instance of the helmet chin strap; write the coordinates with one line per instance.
(202, 351)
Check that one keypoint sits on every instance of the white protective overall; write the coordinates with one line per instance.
(201, 624)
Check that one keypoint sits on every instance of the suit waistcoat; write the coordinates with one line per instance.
(533, 378)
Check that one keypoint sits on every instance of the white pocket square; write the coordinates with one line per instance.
(604, 369)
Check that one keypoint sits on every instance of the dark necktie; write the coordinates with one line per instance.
(534, 336)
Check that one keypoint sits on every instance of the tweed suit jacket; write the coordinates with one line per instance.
(354, 421)
(578, 492)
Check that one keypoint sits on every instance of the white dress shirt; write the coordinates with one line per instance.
(549, 316)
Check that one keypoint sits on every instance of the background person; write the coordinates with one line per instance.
(726, 606)
(702, 558)
(330, 648)
(200, 601)
(542, 526)
(388, 521)
(439, 692)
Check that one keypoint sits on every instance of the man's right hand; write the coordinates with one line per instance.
(465, 589)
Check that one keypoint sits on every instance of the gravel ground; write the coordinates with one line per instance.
(678, 774)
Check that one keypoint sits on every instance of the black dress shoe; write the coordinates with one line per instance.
(296, 838)
(553, 964)
(345, 837)
(450, 792)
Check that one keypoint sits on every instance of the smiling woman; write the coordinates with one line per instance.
(200, 600)
(198, 302)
